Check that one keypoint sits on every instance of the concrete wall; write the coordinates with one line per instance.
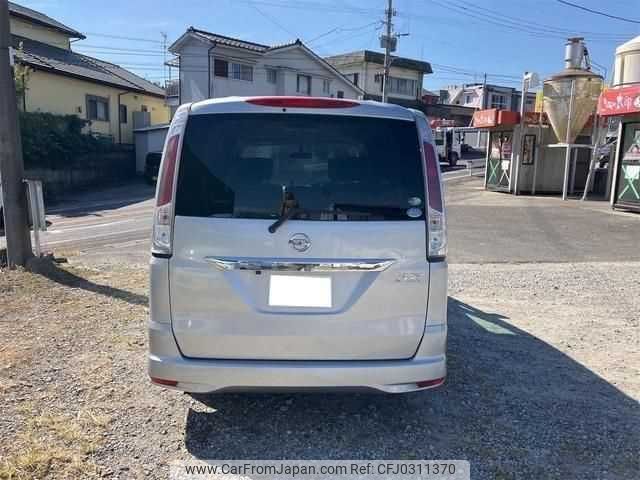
(288, 62)
(86, 171)
(551, 160)
(37, 32)
(53, 93)
(148, 140)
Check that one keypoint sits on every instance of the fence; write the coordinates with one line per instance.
(87, 170)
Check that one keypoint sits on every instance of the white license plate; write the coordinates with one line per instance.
(295, 291)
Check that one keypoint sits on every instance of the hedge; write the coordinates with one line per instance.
(56, 141)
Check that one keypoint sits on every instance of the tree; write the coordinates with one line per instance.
(21, 75)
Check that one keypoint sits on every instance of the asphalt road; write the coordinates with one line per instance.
(484, 227)
(116, 222)
(109, 222)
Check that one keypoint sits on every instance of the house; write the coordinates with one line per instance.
(365, 69)
(64, 82)
(429, 97)
(213, 65)
(480, 96)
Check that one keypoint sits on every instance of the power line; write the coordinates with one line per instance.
(597, 12)
(518, 26)
(523, 26)
(273, 20)
(120, 37)
(340, 30)
(535, 26)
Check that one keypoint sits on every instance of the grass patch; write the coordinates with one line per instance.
(56, 446)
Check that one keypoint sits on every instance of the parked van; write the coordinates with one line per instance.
(449, 144)
(298, 243)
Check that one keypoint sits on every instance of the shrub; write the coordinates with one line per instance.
(56, 141)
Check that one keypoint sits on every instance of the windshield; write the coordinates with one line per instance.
(337, 167)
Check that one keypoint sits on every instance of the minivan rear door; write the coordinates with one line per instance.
(344, 277)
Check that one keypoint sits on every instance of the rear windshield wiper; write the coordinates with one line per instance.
(288, 209)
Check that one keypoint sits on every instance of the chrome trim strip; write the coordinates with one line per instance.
(294, 265)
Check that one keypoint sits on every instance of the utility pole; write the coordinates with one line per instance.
(387, 51)
(164, 59)
(484, 92)
(11, 166)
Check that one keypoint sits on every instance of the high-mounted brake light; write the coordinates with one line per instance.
(302, 102)
(163, 215)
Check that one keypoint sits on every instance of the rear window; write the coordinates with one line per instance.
(337, 167)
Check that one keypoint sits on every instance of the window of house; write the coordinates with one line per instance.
(97, 108)
(402, 86)
(355, 78)
(340, 94)
(326, 86)
(220, 68)
(123, 114)
(240, 71)
(144, 108)
(468, 99)
(304, 84)
(498, 101)
(272, 75)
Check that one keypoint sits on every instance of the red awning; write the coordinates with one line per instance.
(495, 118)
(619, 101)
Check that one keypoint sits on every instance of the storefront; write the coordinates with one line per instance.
(499, 154)
(624, 102)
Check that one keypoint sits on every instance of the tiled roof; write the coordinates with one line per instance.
(377, 57)
(59, 60)
(237, 43)
(42, 19)
(230, 41)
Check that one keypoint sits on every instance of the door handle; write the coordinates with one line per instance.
(295, 265)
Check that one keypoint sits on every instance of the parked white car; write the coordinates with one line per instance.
(298, 243)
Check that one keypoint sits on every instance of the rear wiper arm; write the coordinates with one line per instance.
(288, 209)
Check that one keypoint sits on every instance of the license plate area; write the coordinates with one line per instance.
(300, 291)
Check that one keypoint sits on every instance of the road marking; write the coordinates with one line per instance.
(460, 174)
(93, 237)
(84, 206)
(58, 231)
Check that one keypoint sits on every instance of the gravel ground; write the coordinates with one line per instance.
(543, 383)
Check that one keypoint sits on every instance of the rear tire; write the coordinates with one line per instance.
(453, 159)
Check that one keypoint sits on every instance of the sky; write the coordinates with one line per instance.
(462, 39)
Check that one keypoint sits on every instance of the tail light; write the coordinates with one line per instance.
(436, 224)
(163, 214)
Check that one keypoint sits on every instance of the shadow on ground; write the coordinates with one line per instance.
(100, 199)
(514, 406)
(64, 277)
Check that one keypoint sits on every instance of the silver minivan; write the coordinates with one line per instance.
(298, 243)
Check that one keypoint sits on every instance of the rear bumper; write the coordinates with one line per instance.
(204, 376)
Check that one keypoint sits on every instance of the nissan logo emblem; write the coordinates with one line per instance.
(300, 242)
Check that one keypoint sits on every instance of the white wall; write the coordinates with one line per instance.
(194, 72)
(369, 70)
(150, 139)
(289, 62)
